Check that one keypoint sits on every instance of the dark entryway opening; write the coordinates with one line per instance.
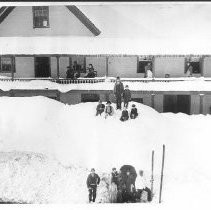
(42, 67)
(176, 103)
(86, 97)
(138, 100)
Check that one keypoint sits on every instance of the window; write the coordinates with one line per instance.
(144, 64)
(41, 17)
(195, 64)
(7, 64)
(138, 100)
(86, 97)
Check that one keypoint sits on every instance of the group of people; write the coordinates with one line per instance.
(74, 72)
(120, 94)
(129, 187)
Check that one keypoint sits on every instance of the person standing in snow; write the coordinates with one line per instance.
(126, 96)
(109, 110)
(100, 108)
(114, 186)
(114, 176)
(129, 188)
(125, 115)
(141, 186)
(92, 182)
(133, 112)
(118, 92)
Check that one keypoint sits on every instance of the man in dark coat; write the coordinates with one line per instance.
(92, 181)
(118, 92)
(130, 188)
(125, 115)
(76, 70)
(100, 108)
(133, 112)
(126, 96)
(70, 73)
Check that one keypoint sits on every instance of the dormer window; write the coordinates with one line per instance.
(41, 17)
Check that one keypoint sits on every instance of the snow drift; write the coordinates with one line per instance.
(72, 137)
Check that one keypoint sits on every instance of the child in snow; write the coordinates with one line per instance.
(125, 115)
(100, 108)
(109, 110)
(126, 96)
(133, 112)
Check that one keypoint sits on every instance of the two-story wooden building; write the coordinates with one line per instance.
(41, 41)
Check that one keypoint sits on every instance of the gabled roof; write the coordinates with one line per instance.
(5, 11)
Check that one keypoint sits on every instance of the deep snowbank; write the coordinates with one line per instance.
(73, 136)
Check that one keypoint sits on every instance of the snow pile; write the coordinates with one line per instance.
(28, 177)
(75, 137)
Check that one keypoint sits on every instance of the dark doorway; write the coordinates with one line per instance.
(176, 103)
(42, 67)
(89, 97)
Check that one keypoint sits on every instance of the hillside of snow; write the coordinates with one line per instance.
(51, 147)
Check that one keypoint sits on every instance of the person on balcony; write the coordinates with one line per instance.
(91, 72)
(76, 70)
(69, 73)
(189, 71)
(147, 68)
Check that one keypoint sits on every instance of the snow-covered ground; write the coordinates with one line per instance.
(190, 84)
(48, 147)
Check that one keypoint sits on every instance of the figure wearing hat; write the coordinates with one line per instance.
(100, 108)
(109, 110)
(126, 96)
(118, 92)
(92, 182)
(69, 73)
(133, 112)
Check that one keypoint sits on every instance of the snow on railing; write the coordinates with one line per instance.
(104, 79)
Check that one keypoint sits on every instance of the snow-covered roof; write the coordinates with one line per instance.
(100, 45)
(150, 28)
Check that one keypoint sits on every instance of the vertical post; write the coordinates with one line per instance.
(153, 100)
(153, 67)
(152, 173)
(57, 61)
(106, 66)
(201, 103)
(161, 178)
(13, 68)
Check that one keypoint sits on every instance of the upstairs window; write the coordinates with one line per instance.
(7, 64)
(144, 64)
(195, 64)
(41, 17)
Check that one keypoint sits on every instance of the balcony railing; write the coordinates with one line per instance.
(103, 79)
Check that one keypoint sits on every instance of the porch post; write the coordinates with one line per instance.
(201, 103)
(13, 68)
(153, 67)
(57, 61)
(106, 66)
(153, 100)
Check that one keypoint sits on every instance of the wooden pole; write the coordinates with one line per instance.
(152, 173)
(201, 96)
(13, 68)
(58, 72)
(106, 66)
(161, 178)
